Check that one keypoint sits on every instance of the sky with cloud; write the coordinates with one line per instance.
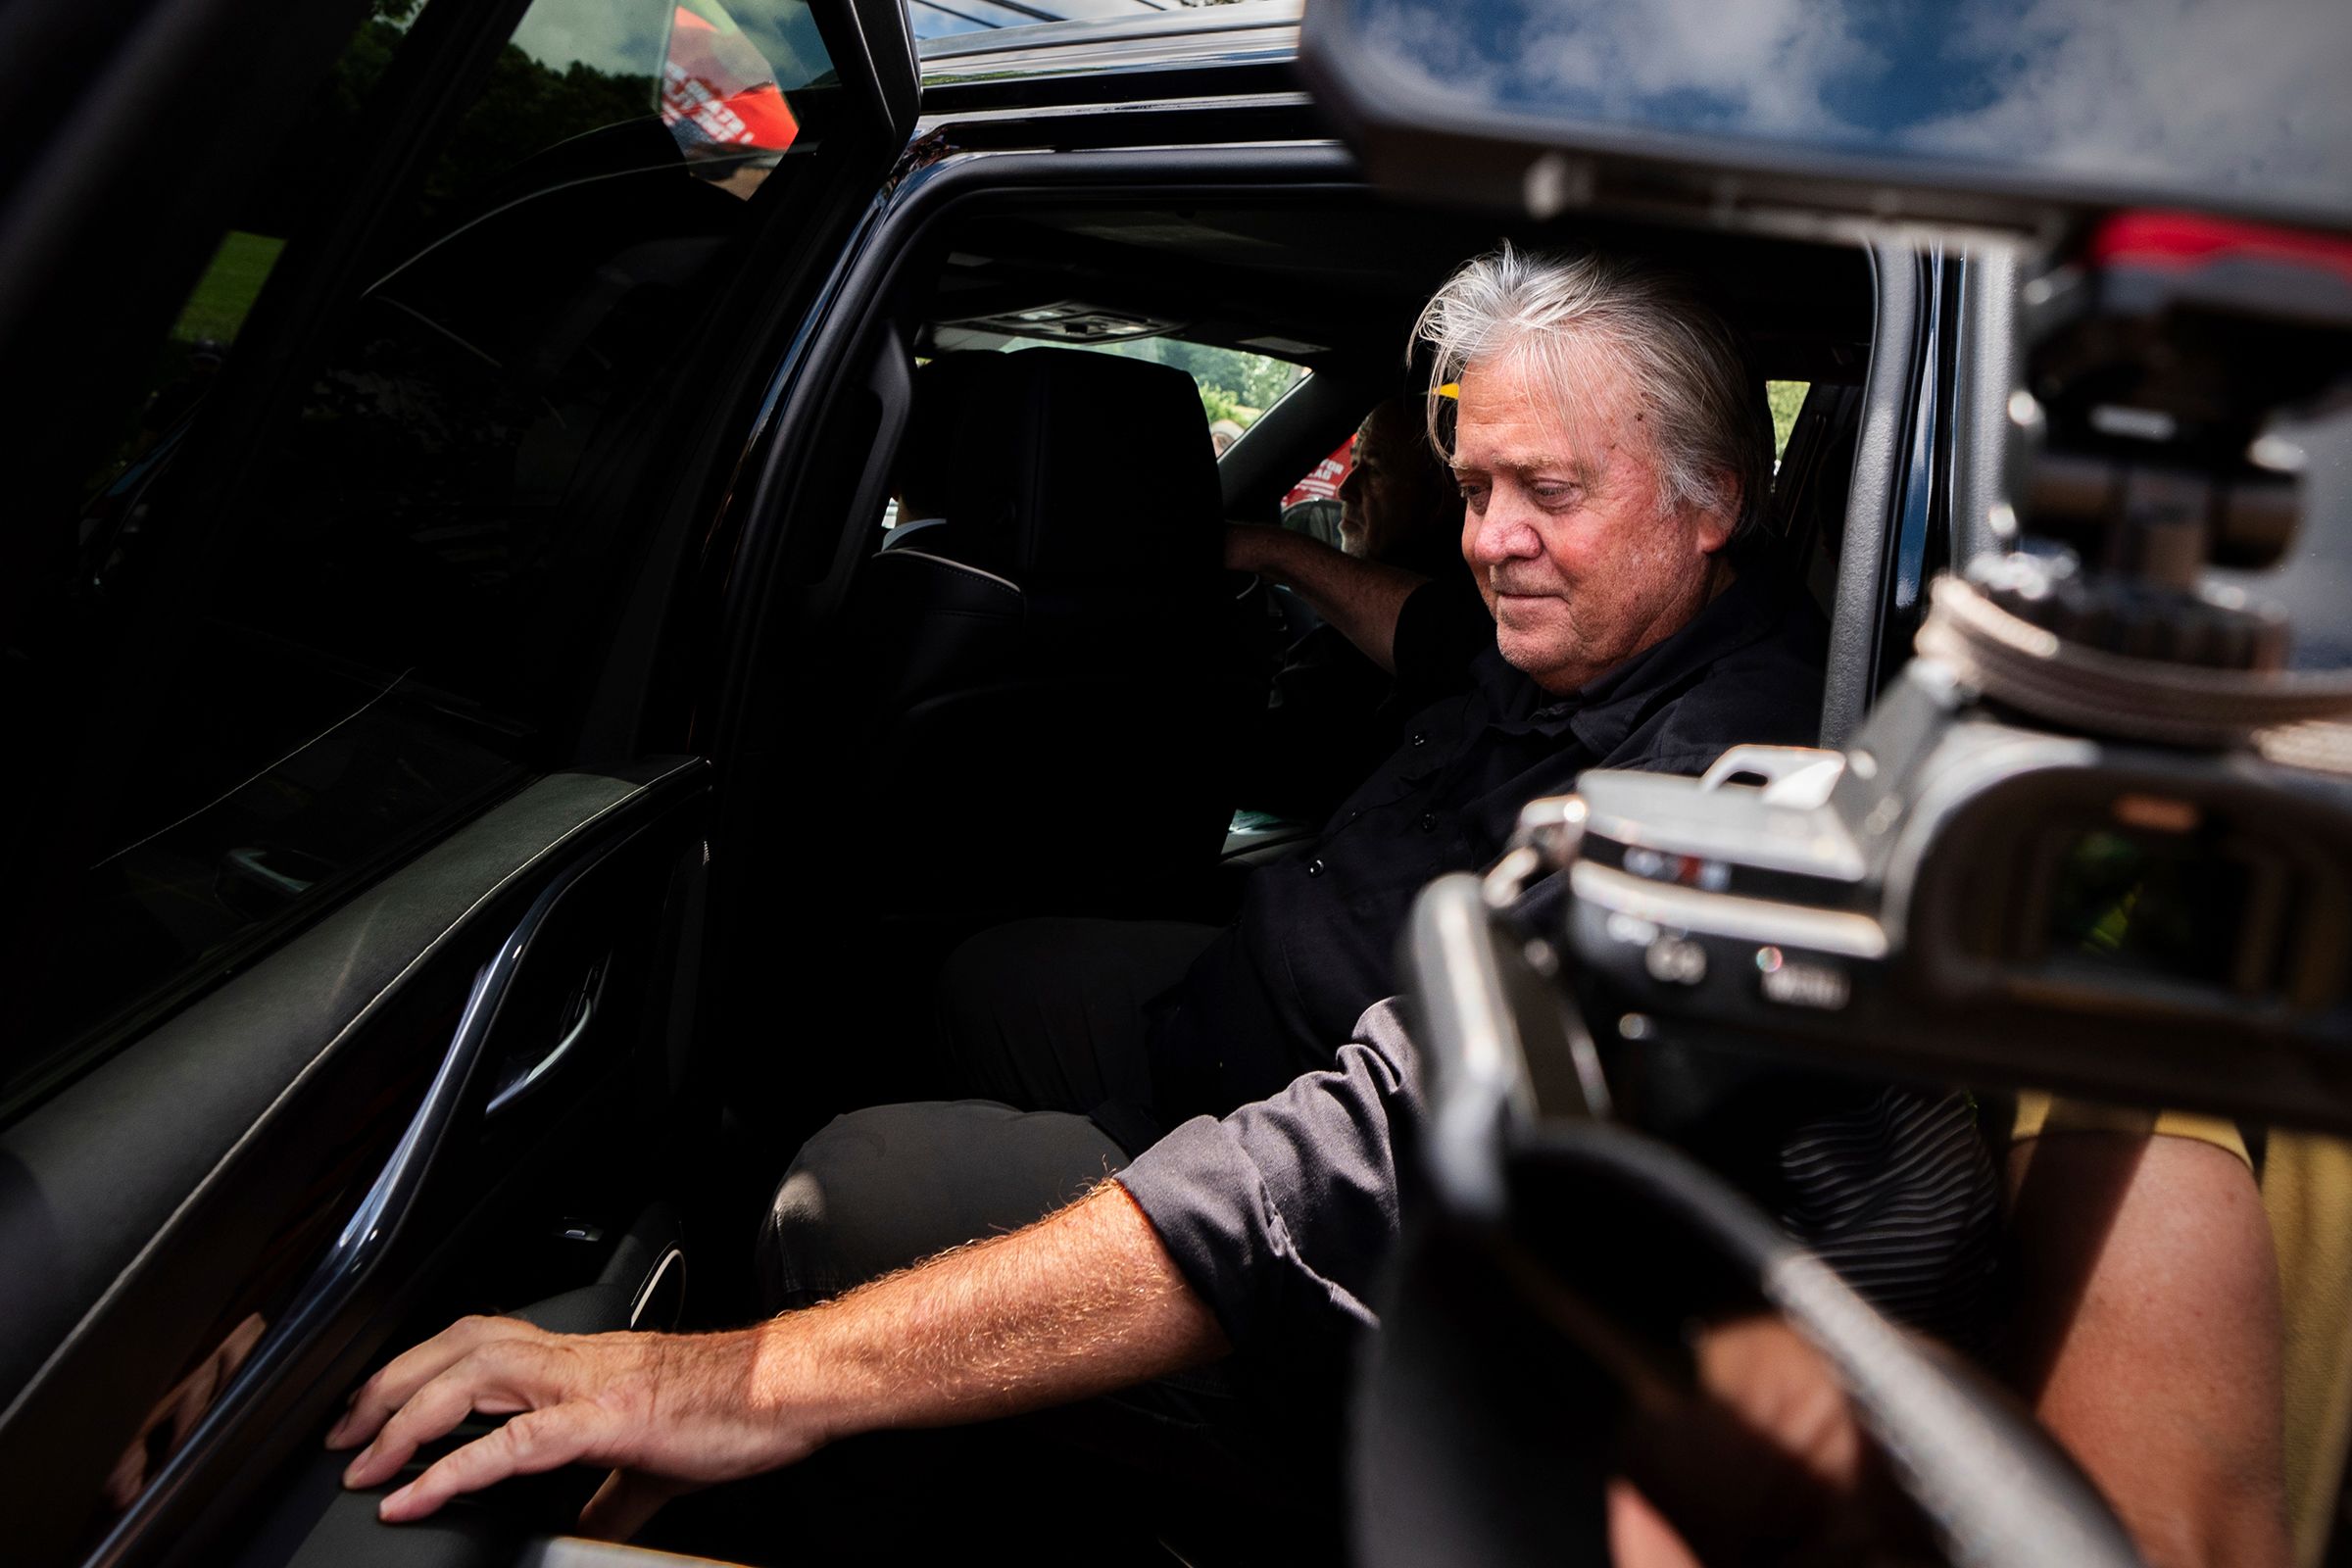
(2246, 96)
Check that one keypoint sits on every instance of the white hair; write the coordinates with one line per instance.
(1706, 412)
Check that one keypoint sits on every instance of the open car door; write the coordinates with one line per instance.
(394, 353)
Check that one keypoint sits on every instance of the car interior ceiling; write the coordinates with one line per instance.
(1029, 792)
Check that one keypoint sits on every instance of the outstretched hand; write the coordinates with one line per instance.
(1083, 1301)
(666, 1412)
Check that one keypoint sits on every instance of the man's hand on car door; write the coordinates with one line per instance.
(667, 1412)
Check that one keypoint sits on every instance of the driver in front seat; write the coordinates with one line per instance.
(1333, 713)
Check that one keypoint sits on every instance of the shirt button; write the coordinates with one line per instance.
(1352, 816)
(1429, 821)
(1315, 869)
(1421, 738)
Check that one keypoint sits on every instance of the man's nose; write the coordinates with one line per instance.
(1503, 532)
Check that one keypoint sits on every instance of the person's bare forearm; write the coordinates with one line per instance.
(1084, 1302)
(1362, 599)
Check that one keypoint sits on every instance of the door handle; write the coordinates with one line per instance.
(520, 1077)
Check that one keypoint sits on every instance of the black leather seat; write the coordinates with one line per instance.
(1044, 701)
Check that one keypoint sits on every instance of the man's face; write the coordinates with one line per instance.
(1562, 525)
(1384, 496)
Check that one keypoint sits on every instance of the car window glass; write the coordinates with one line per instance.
(1785, 398)
(719, 90)
(1312, 506)
(301, 177)
(1235, 385)
(398, 619)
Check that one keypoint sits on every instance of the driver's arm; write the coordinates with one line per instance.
(1363, 599)
(2148, 1335)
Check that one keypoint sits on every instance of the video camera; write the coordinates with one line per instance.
(2096, 837)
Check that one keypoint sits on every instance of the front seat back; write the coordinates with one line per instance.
(1048, 709)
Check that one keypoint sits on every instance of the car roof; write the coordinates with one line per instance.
(1248, 32)
(1340, 271)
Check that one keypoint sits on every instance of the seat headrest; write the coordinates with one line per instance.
(1074, 468)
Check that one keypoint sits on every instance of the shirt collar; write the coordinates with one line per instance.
(1611, 706)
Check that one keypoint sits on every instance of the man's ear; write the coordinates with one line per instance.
(1717, 523)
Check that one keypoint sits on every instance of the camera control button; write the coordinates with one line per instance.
(1802, 982)
(1676, 961)
(1630, 929)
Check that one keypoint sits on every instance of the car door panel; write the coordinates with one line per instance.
(373, 1060)
(204, 1175)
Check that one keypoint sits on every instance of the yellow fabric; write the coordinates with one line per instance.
(2037, 1113)
(2307, 1192)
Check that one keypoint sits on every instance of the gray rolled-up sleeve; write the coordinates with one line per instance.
(1281, 1214)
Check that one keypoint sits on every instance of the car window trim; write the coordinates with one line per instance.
(1881, 463)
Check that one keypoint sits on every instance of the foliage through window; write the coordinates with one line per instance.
(1235, 385)
(1786, 398)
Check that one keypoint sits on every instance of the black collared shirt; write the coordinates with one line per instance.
(1316, 942)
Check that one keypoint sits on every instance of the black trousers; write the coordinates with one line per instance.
(1048, 1018)
(1041, 1021)
(1055, 1014)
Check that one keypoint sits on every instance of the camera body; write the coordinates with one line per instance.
(1959, 897)
(2096, 837)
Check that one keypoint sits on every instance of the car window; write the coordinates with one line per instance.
(1311, 507)
(1785, 398)
(1235, 385)
(397, 612)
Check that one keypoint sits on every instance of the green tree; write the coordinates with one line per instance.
(1219, 404)
(1785, 398)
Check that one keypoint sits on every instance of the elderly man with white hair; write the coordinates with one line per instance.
(1614, 451)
